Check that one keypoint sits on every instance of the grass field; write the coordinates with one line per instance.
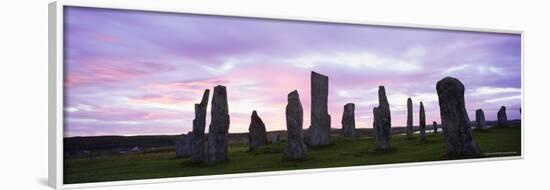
(496, 142)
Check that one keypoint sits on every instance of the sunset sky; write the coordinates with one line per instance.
(140, 73)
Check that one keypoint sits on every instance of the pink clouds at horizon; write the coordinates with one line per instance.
(140, 73)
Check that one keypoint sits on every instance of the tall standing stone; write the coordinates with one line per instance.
(257, 135)
(198, 153)
(502, 118)
(422, 122)
(348, 120)
(319, 131)
(295, 149)
(480, 120)
(382, 120)
(409, 129)
(435, 126)
(219, 126)
(274, 138)
(454, 118)
(183, 145)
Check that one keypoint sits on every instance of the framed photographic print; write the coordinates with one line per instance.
(146, 95)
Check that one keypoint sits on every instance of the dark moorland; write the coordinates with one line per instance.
(97, 159)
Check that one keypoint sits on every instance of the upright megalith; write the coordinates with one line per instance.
(454, 118)
(198, 153)
(480, 120)
(382, 121)
(434, 125)
(502, 119)
(183, 145)
(319, 131)
(257, 135)
(295, 147)
(219, 126)
(275, 138)
(409, 129)
(348, 120)
(422, 122)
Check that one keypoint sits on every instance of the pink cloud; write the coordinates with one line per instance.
(107, 38)
(122, 114)
(184, 85)
(162, 99)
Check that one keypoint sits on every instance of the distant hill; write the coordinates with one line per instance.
(72, 145)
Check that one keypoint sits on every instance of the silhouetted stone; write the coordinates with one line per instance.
(219, 126)
(183, 145)
(198, 151)
(422, 122)
(435, 126)
(409, 129)
(348, 120)
(454, 118)
(502, 118)
(295, 149)
(257, 135)
(480, 120)
(319, 131)
(382, 120)
(274, 138)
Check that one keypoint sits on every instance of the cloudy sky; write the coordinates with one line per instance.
(136, 73)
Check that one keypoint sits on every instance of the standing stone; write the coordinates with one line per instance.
(183, 145)
(295, 149)
(274, 138)
(348, 120)
(480, 119)
(257, 135)
(219, 126)
(435, 126)
(319, 131)
(422, 124)
(502, 118)
(454, 118)
(409, 118)
(198, 153)
(382, 120)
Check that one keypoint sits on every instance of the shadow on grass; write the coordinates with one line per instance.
(189, 163)
(374, 152)
(304, 159)
(265, 150)
(320, 147)
(459, 157)
(481, 130)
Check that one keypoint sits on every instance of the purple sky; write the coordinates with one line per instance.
(136, 73)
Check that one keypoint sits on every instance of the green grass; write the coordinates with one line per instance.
(342, 152)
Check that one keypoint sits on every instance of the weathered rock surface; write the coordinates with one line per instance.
(422, 122)
(274, 138)
(319, 131)
(257, 135)
(219, 126)
(295, 149)
(454, 118)
(382, 120)
(348, 120)
(198, 151)
(183, 145)
(502, 118)
(480, 120)
(409, 129)
(435, 126)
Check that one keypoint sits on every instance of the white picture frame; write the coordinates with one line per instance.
(55, 91)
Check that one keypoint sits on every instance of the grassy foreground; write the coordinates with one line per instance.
(496, 142)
